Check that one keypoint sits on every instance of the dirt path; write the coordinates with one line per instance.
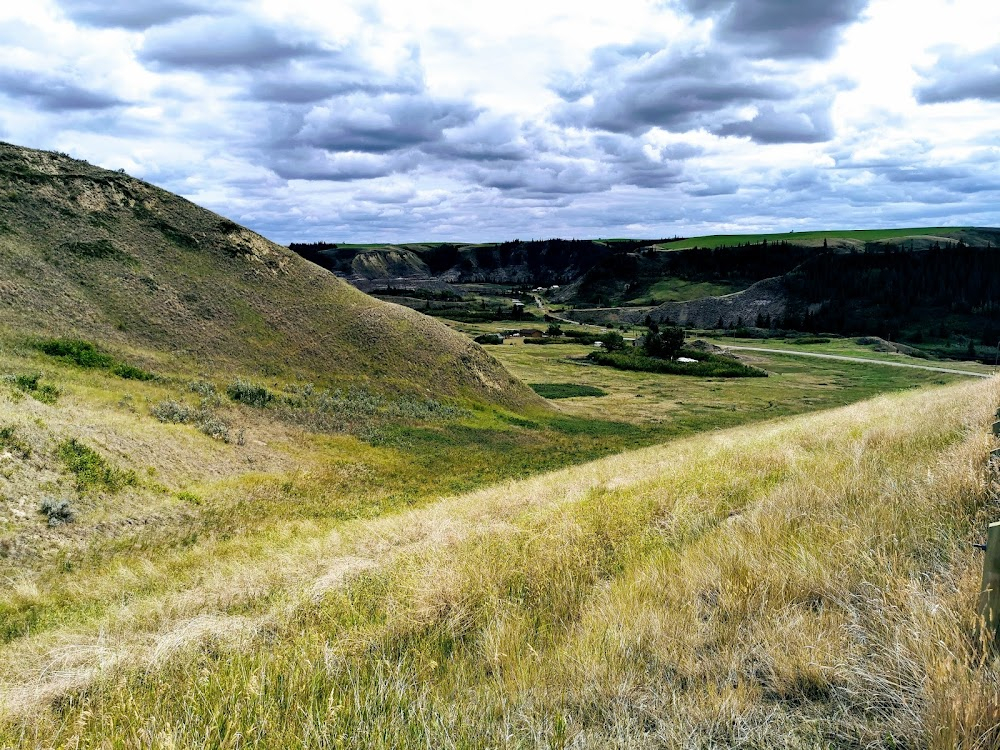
(862, 360)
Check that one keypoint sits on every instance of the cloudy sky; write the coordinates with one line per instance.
(396, 120)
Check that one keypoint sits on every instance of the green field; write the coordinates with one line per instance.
(860, 235)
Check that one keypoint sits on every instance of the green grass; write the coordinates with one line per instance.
(92, 471)
(771, 583)
(674, 289)
(861, 235)
(566, 390)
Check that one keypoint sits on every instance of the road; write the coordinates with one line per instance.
(862, 360)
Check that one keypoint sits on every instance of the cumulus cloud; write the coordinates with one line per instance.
(209, 44)
(132, 14)
(785, 125)
(959, 76)
(778, 28)
(54, 93)
(667, 89)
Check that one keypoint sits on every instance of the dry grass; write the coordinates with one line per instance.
(806, 584)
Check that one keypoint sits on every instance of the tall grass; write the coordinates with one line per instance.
(809, 584)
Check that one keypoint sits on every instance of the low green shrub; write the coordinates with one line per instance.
(131, 372)
(81, 353)
(91, 469)
(708, 365)
(85, 354)
(565, 390)
(249, 393)
(489, 339)
(46, 393)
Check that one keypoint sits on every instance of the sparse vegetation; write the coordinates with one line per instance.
(45, 393)
(11, 441)
(251, 394)
(87, 355)
(92, 471)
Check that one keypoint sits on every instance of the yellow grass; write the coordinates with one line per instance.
(809, 583)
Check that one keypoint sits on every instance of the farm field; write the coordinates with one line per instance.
(859, 235)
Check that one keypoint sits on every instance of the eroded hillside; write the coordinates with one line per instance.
(89, 253)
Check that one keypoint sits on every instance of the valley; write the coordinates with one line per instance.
(245, 504)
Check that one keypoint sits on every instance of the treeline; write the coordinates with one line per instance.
(916, 294)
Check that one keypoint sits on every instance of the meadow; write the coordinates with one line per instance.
(418, 571)
(809, 582)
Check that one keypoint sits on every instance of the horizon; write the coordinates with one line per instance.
(375, 121)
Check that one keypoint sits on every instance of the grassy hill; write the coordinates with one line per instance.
(809, 583)
(98, 255)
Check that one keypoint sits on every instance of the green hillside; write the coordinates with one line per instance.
(88, 253)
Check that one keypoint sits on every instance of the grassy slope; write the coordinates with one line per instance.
(806, 584)
(98, 254)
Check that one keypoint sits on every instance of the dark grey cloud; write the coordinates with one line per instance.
(672, 90)
(54, 93)
(487, 139)
(211, 44)
(958, 76)
(136, 15)
(780, 29)
(786, 125)
(305, 163)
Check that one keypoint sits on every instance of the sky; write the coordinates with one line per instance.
(396, 120)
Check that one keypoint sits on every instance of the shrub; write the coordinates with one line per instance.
(91, 470)
(131, 372)
(85, 354)
(489, 339)
(554, 330)
(81, 353)
(709, 365)
(214, 427)
(249, 393)
(565, 390)
(172, 411)
(46, 393)
(57, 511)
(203, 388)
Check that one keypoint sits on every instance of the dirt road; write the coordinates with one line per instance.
(862, 360)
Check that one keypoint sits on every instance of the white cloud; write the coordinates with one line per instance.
(393, 120)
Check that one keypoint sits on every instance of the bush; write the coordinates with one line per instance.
(489, 339)
(173, 411)
(709, 365)
(10, 440)
(85, 354)
(81, 353)
(565, 390)
(131, 372)
(554, 330)
(57, 511)
(46, 393)
(249, 393)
